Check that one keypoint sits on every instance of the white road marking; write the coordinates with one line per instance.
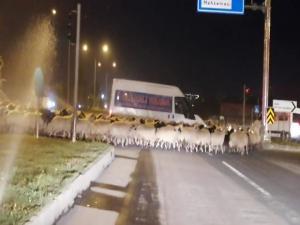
(248, 180)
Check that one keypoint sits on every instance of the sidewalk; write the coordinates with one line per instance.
(281, 147)
(111, 186)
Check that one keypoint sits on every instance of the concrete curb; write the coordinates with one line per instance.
(279, 147)
(61, 204)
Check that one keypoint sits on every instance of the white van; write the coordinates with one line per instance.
(151, 100)
(286, 125)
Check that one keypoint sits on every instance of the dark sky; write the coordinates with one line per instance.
(169, 42)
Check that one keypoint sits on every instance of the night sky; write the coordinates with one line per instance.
(169, 42)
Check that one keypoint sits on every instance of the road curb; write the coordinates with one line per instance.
(61, 204)
(280, 147)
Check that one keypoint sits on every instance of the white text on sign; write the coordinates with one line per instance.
(217, 4)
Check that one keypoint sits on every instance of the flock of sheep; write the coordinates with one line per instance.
(124, 131)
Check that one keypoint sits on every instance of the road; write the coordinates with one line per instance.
(156, 187)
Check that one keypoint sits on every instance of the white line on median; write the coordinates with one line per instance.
(248, 180)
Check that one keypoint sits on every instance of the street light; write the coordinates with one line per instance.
(53, 11)
(114, 66)
(105, 48)
(85, 47)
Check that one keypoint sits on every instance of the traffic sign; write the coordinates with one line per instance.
(270, 115)
(297, 111)
(284, 105)
(221, 6)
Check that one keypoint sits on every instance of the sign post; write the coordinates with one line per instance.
(39, 92)
(221, 6)
(237, 7)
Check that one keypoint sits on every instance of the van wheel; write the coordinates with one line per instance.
(288, 136)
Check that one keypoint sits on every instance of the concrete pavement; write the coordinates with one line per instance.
(102, 202)
(160, 187)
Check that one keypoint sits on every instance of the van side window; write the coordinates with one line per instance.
(182, 107)
(138, 100)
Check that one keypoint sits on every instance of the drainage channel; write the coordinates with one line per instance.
(139, 205)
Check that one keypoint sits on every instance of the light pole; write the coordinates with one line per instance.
(69, 72)
(244, 104)
(265, 89)
(105, 50)
(76, 73)
(96, 64)
(114, 66)
(70, 43)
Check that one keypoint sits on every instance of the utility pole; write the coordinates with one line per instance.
(266, 73)
(266, 9)
(244, 104)
(76, 73)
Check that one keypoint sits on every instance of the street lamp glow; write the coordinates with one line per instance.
(114, 64)
(105, 48)
(85, 47)
(99, 64)
(51, 104)
(53, 11)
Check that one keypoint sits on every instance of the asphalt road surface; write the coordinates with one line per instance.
(156, 187)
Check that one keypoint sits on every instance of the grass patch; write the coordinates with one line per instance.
(40, 169)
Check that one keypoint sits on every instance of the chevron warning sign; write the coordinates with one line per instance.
(270, 115)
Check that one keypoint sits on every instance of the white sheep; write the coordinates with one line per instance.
(217, 141)
(118, 133)
(167, 137)
(100, 129)
(255, 134)
(21, 122)
(145, 135)
(84, 128)
(189, 138)
(204, 139)
(239, 141)
(60, 125)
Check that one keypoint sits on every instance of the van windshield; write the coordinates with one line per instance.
(296, 118)
(182, 107)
